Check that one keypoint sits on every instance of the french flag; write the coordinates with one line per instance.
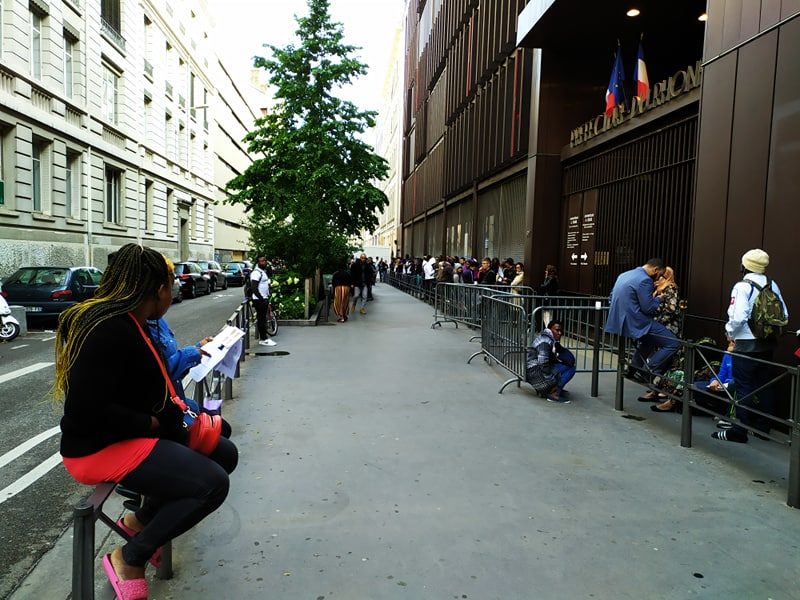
(640, 76)
(614, 92)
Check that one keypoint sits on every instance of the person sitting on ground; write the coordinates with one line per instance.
(342, 283)
(132, 434)
(550, 366)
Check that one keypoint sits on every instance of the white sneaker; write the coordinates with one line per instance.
(267, 343)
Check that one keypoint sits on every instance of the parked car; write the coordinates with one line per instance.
(234, 273)
(247, 266)
(177, 292)
(193, 281)
(215, 274)
(48, 291)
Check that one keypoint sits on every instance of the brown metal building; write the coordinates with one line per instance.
(505, 154)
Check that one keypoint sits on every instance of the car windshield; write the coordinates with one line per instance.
(203, 264)
(232, 268)
(42, 276)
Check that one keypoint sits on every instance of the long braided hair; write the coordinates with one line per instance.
(135, 275)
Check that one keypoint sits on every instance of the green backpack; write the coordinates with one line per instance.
(767, 319)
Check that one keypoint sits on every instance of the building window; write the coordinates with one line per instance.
(170, 209)
(72, 185)
(69, 65)
(36, 175)
(113, 194)
(149, 190)
(169, 134)
(110, 94)
(36, 45)
(111, 15)
(206, 222)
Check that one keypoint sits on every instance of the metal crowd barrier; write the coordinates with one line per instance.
(461, 302)
(695, 399)
(506, 335)
(89, 510)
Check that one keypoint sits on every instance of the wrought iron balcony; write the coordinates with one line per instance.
(115, 36)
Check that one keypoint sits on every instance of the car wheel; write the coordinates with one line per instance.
(191, 291)
(212, 287)
(225, 285)
(209, 289)
(178, 299)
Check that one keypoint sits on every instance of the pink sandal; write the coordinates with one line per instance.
(154, 560)
(125, 589)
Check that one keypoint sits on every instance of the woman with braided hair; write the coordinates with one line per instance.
(132, 433)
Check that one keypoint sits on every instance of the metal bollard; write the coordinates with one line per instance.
(83, 552)
(794, 450)
(618, 400)
(596, 351)
(688, 396)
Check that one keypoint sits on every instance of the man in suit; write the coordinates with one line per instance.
(631, 315)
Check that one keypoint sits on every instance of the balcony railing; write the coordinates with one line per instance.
(108, 29)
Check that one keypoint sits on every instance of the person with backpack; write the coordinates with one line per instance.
(259, 289)
(756, 317)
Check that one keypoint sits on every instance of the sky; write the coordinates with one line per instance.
(243, 26)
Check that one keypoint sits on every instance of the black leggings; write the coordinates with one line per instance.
(181, 487)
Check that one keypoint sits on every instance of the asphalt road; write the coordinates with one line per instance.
(34, 516)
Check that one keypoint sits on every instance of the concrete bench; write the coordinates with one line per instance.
(85, 516)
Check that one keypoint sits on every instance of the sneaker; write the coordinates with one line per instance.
(724, 424)
(728, 435)
(558, 399)
(363, 311)
(267, 343)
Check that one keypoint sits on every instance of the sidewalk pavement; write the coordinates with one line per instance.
(376, 464)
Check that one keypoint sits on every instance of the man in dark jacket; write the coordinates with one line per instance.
(362, 274)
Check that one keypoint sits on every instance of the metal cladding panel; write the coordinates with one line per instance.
(770, 13)
(749, 154)
(789, 8)
(711, 191)
(780, 224)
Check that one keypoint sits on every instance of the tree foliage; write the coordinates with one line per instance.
(310, 189)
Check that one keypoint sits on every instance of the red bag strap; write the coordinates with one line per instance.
(176, 399)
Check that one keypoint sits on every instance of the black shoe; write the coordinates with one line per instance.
(728, 435)
(637, 375)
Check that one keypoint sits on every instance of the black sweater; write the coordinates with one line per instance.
(115, 386)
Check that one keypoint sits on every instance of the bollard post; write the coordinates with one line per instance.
(596, 351)
(165, 570)
(618, 401)
(688, 396)
(83, 552)
(794, 449)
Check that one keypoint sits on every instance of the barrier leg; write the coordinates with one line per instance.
(688, 398)
(227, 392)
(618, 398)
(165, 570)
(83, 552)
(596, 353)
(794, 449)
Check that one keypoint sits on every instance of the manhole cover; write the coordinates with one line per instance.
(275, 353)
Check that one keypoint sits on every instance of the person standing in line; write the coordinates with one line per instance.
(750, 375)
(360, 274)
(342, 285)
(633, 306)
(259, 281)
(486, 276)
(519, 278)
(428, 273)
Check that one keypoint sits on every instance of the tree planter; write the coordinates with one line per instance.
(310, 322)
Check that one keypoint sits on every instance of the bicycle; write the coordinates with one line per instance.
(272, 318)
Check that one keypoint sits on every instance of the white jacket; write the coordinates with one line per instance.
(743, 296)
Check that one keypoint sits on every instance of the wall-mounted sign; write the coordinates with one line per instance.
(661, 93)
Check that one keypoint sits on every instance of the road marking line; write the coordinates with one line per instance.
(25, 446)
(24, 371)
(29, 478)
(18, 347)
(47, 339)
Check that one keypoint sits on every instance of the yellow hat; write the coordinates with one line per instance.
(755, 261)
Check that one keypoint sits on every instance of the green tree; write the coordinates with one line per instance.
(311, 189)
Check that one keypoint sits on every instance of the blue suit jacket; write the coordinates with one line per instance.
(632, 304)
